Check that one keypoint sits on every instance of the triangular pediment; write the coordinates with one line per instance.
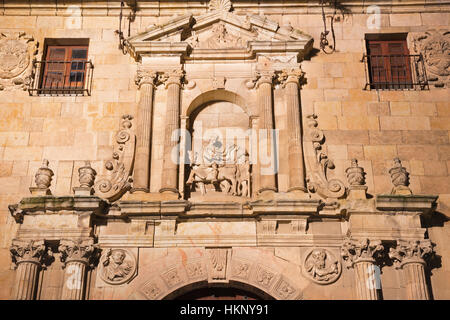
(216, 33)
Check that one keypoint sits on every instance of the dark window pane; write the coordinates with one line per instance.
(79, 54)
(77, 65)
(76, 76)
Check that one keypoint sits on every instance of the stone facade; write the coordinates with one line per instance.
(100, 199)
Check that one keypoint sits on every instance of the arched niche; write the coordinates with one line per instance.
(216, 95)
(219, 148)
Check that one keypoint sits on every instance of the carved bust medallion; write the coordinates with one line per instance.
(321, 266)
(117, 266)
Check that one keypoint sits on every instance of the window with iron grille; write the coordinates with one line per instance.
(65, 69)
(390, 66)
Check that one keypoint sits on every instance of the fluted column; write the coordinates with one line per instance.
(76, 257)
(145, 80)
(28, 257)
(266, 150)
(170, 165)
(361, 255)
(290, 78)
(410, 257)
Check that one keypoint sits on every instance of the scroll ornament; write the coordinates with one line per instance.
(121, 167)
(318, 180)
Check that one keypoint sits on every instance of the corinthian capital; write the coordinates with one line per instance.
(175, 76)
(32, 251)
(75, 250)
(294, 75)
(266, 76)
(411, 252)
(145, 76)
(354, 251)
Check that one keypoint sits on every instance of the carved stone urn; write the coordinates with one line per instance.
(356, 179)
(43, 179)
(86, 175)
(400, 179)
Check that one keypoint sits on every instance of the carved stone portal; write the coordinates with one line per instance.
(321, 266)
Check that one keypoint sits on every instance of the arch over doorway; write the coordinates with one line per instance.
(234, 290)
(184, 271)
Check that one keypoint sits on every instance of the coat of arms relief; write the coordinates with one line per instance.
(434, 45)
(16, 54)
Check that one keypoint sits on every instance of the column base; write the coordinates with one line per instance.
(139, 190)
(82, 191)
(357, 192)
(169, 193)
(267, 193)
(35, 191)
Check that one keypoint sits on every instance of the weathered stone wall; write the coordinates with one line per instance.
(372, 126)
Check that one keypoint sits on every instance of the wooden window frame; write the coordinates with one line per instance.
(395, 69)
(67, 69)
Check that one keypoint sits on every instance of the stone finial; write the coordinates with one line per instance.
(400, 179)
(365, 250)
(86, 176)
(355, 174)
(411, 252)
(43, 179)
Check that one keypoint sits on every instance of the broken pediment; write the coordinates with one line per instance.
(219, 34)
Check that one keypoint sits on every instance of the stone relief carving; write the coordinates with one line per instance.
(321, 266)
(221, 38)
(354, 251)
(284, 290)
(400, 178)
(171, 278)
(84, 251)
(33, 251)
(240, 269)
(435, 47)
(151, 290)
(317, 179)
(264, 277)
(219, 83)
(220, 169)
(411, 252)
(16, 53)
(117, 266)
(195, 270)
(218, 259)
(220, 5)
(121, 166)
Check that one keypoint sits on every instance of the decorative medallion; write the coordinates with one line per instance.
(117, 266)
(321, 266)
(16, 53)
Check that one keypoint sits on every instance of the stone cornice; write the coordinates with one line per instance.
(168, 8)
